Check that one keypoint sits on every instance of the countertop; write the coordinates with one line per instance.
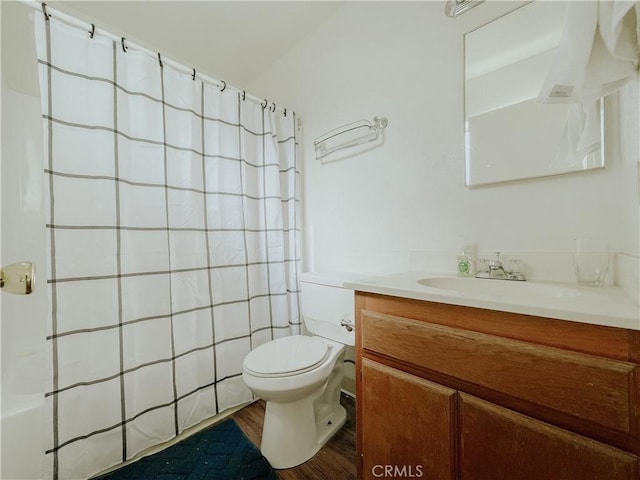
(608, 306)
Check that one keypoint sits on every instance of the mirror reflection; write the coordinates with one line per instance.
(508, 134)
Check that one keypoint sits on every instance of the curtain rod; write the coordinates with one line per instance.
(91, 29)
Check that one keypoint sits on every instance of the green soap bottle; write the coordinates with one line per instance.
(466, 262)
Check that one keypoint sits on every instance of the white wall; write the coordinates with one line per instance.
(376, 211)
(22, 322)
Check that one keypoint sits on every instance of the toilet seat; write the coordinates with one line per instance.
(286, 356)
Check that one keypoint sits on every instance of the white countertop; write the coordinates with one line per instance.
(608, 306)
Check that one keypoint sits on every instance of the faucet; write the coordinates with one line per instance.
(495, 271)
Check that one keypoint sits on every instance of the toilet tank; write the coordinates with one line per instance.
(325, 303)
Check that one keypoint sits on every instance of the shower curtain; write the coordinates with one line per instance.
(173, 244)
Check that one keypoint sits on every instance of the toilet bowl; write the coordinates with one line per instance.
(299, 377)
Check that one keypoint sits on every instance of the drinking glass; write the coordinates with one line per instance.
(591, 261)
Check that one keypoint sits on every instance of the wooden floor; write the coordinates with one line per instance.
(337, 459)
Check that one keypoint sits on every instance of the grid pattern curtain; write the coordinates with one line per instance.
(173, 243)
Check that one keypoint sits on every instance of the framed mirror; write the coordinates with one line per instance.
(509, 135)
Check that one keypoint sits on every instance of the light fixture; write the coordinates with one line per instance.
(18, 278)
(453, 8)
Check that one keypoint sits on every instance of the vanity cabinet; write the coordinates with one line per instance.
(452, 392)
(419, 437)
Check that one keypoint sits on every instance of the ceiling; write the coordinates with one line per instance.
(232, 41)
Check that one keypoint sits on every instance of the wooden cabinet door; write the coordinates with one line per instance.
(408, 425)
(499, 444)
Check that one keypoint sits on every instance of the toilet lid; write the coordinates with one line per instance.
(286, 355)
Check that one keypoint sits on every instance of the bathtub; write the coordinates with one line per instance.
(22, 430)
(22, 419)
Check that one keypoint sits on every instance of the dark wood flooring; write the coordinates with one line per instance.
(336, 460)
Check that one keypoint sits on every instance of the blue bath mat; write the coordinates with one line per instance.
(221, 452)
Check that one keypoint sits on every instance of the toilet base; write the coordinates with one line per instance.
(292, 434)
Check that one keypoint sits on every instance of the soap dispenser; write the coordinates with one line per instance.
(466, 261)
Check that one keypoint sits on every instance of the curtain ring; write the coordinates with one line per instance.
(285, 111)
(272, 107)
(194, 74)
(160, 60)
(124, 47)
(244, 95)
(265, 103)
(93, 30)
(44, 11)
(225, 86)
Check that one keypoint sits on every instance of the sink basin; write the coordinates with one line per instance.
(502, 289)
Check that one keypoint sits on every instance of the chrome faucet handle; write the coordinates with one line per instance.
(495, 263)
(494, 269)
(515, 270)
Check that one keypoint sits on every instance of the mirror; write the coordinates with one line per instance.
(508, 134)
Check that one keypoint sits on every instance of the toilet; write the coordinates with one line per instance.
(299, 377)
